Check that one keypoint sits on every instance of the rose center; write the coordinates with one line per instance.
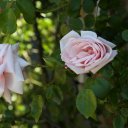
(89, 50)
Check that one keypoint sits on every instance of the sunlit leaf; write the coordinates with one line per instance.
(8, 21)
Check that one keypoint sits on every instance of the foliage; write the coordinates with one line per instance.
(54, 97)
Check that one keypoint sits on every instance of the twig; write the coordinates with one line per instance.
(54, 9)
(41, 51)
(96, 11)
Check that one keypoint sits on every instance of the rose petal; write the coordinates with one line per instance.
(64, 40)
(18, 72)
(79, 65)
(22, 62)
(2, 68)
(9, 60)
(3, 49)
(86, 34)
(102, 49)
(77, 70)
(73, 59)
(72, 45)
(7, 95)
(12, 83)
(15, 47)
(2, 84)
(82, 54)
(84, 59)
(2, 46)
(107, 42)
(65, 57)
(98, 62)
(94, 70)
(73, 51)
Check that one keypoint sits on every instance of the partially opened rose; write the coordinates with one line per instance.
(11, 66)
(86, 53)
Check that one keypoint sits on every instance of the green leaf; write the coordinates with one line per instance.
(54, 93)
(125, 35)
(89, 21)
(75, 5)
(55, 1)
(36, 107)
(113, 96)
(51, 62)
(28, 10)
(55, 111)
(124, 112)
(2, 108)
(118, 122)
(3, 4)
(57, 78)
(16, 10)
(8, 21)
(124, 92)
(100, 87)
(88, 5)
(5, 125)
(75, 24)
(107, 70)
(86, 102)
(115, 21)
(103, 4)
(64, 29)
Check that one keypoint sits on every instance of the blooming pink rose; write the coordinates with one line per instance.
(11, 67)
(86, 53)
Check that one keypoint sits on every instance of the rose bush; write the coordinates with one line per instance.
(54, 97)
(87, 52)
(11, 67)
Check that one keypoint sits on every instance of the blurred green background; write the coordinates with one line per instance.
(50, 90)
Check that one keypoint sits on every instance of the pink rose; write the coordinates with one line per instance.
(86, 53)
(11, 66)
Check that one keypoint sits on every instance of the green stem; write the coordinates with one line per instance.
(96, 12)
(53, 9)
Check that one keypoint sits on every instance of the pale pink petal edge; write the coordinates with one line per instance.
(94, 70)
(107, 42)
(64, 40)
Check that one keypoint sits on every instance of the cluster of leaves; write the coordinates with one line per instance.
(10, 11)
(54, 96)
